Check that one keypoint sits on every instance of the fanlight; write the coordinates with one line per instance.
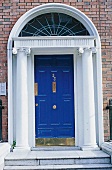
(54, 24)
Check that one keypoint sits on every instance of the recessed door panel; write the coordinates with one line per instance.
(54, 104)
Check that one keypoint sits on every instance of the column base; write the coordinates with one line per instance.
(90, 148)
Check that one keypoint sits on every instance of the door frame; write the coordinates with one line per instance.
(54, 52)
(23, 20)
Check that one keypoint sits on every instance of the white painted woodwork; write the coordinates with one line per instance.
(50, 41)
(88, 101)
(22, 100)
(79, 91)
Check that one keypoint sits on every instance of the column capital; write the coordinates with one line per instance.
(81, 50)
(14, 51)
(94, 50)
(26, 50)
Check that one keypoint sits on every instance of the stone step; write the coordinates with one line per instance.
(34, 158)
(55, 148)
(56, 161)
(62, 167)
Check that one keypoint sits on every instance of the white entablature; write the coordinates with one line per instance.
(63, 41)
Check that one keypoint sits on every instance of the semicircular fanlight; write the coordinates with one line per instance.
(54, 24)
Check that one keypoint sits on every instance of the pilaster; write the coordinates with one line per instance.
(88, 101)
(22, 99)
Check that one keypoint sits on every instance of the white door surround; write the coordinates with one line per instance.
(87, 78)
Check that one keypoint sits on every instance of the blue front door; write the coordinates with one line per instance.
(54, 98)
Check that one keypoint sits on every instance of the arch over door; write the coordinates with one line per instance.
(19, 25)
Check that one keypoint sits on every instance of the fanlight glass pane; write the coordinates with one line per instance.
(53, 24)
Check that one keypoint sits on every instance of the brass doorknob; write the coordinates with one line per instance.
(54, 106)
(36, 104)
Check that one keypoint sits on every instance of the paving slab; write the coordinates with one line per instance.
(92, 154)
(57, 154)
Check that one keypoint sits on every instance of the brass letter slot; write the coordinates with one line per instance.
(54, 87)
(36, 89)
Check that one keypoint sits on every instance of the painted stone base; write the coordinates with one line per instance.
(90, 148)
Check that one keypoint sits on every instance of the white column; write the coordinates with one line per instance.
(88, 101)
(79, 100)
(22, 100)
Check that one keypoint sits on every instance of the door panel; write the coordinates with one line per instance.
(54, 110)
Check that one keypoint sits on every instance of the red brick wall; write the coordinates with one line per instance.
(99, 11)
